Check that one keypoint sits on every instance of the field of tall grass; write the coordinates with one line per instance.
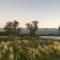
(29, 49)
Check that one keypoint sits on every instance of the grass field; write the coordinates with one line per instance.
(29, 48)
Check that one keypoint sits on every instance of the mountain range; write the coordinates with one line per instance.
(40, 31)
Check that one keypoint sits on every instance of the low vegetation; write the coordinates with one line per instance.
(29, 48)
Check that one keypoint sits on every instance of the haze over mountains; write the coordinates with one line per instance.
(43, 31)
(40, 31)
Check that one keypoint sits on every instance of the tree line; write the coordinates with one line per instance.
(11, 28)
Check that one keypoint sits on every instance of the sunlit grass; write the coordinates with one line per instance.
(30, 49)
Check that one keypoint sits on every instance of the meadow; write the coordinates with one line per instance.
(29, 48)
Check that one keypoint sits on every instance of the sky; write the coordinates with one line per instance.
(46, 12)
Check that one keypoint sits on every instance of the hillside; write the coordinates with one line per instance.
(40, 31)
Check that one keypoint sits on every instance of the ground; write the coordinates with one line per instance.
(29, 48)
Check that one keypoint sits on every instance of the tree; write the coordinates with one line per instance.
(9, 28)
(15, 27)
(59, 30)
(12, 28)
(35, 23)
(18, 31)
(32, 27)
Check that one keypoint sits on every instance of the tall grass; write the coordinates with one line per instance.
(30, 50)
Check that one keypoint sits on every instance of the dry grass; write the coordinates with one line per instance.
(30, 49)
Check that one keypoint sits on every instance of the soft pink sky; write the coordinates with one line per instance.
(47, 12)
(23, 20)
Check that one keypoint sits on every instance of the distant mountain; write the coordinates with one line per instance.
(40, 31)
(43, 31)
(2, 30)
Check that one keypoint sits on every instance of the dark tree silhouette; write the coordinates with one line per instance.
(12, 28)
(59, 30)
(9, 28)
(15, 27)
(32, 27)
